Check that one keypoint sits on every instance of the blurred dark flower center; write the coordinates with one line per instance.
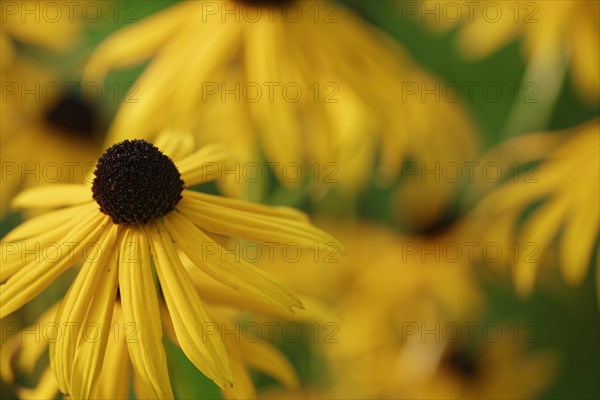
(464, 363)
(72, 115)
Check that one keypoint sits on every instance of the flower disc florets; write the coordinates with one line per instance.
(135, 182)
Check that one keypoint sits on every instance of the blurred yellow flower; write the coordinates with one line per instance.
(495, 369)
(306, 82)
(409, 307)
(146, 217)
(553, 33)
(552, 205)
(44, 137)
(384, 287)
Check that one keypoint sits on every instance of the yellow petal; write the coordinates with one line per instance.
(74, 308)
(45, 389)
(140, 309)
(116, 371)
(537, 232)
(33, 278)
(221, 219)
(581, 231)
(137, 42)
(44, 223)
(243, 387)
(203, 165)
(276, 119)
(190, 320)
(225, 267)
(175, 144)
(53, 196)
(32, 352)
(17, 254)
(90, 351)
(267, 359)
(254, 208)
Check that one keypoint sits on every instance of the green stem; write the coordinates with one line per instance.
(537, 95)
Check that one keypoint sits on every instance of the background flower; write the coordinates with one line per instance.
(423, 169)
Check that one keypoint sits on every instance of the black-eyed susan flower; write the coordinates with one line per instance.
(551, 206)
(137, 214)
(308, 86)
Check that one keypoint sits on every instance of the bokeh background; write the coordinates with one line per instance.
(398, 272)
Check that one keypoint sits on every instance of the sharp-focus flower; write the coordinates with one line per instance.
(321, 90)
(553, 33)
(553, 205)
(136, 215)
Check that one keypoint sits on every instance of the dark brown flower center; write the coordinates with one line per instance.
(135, 182)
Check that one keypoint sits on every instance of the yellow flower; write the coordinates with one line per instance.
(406, 300)
(553, 32)
(39, 141)
(146, 217)
(386, 284)
(562, 195)
(502, 369)
(308, 83)
(44, 142)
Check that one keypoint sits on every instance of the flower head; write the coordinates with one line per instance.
(553, 206)
(137, 215)
(309, 91)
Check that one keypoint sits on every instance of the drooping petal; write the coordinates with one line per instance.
(116, 370)
(33, 278)
(90, 351)
(224, 266)
(190, 320)
(53, 196)
(261, 228)
(537, 231)
(246, 206)
(73, 310)
(17, 253)
(243, 387)
(45, 222)
(137, 42)
(277, 120)
(267, 359)
(141, 310)
(581, 232)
